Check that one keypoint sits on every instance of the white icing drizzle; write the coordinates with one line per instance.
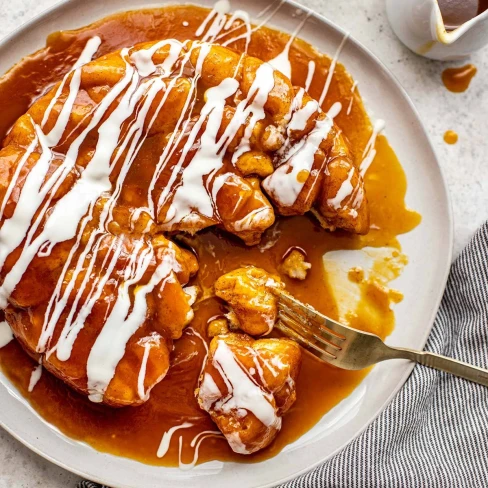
(192, 193)
(147, 343)
(267, 9)
(166, 439)
(69, 210)
(88, 52)
(353, 88)
(209, 391)
(343, 192)
(310, 73)
(181, 124)
(208, 159)
(253, 29)
(284, 184)
(243, 392)
(91, 187)
(122, 323)
(332, 67)
(35, 377)
(142, 372)
(370, 151)
(260, 89)
(6, 335)
(62, 222)
(282, 61)
(218, 17)
(235, 442)
(174, 139)
(192, 292)
(259, 368)
(275, 365)
(246, 23)
(86, 56)
(143, 58)
(195, 443)
(302, 115)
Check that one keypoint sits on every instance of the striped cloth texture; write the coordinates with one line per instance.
(434, 434)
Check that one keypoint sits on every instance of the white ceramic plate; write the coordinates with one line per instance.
(428, 247)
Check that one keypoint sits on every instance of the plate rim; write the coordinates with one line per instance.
(321, 18)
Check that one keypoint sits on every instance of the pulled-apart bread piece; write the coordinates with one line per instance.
(247, 386)
(248, 293)
(295, 264)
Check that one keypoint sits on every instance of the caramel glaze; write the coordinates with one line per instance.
(137, 432)
(457, 80)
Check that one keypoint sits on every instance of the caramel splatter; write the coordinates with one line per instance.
(450, 137)
(458, 79)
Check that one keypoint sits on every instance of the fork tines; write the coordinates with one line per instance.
(308, 327)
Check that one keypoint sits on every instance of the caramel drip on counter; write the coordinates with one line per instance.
(450, 137)
(457, 80)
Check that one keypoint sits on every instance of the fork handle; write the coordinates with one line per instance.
(442, 363)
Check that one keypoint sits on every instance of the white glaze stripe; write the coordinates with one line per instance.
(166, 439)
(6, 335)
(332, 67)
(370, 150)
(284, 185)
(310, 73)
(195, 443)
(86, 56)
(122, 323)
(243, 392)
(353, 88)
(34, 378)
(282, 61)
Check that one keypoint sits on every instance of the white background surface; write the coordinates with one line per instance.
(465, 164)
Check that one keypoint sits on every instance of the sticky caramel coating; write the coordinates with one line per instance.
(217, 327)
(240, 206)
(271, 364)
(332, 162)
(333, 165)
(247, 291)
(168, 313)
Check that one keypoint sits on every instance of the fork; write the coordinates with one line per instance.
(348, 348)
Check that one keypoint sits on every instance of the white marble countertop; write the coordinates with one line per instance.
(465, 164)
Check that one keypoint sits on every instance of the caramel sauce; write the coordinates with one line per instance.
(136, 432)
(450, 137)
(457, 80)
(456, 13)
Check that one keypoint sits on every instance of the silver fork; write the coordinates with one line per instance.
(348, 348)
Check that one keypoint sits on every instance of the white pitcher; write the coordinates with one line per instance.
(420, 26)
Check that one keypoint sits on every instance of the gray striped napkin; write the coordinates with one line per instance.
(435, 431)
